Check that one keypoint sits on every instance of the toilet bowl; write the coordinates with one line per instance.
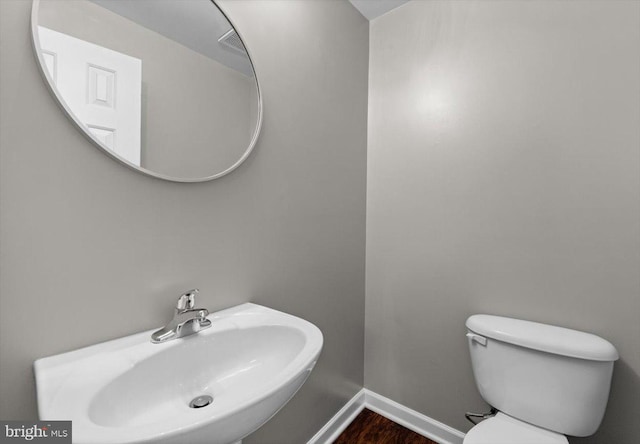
(503, 429)
(545, 381)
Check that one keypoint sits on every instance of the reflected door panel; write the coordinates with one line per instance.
(102, 88)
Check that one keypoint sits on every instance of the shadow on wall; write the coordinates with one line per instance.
(622, 409)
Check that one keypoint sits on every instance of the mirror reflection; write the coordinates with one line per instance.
(174, 101)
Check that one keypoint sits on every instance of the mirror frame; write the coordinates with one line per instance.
(81, 127)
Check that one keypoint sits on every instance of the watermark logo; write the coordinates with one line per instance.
(44, 432)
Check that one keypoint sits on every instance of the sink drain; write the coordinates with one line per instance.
(201, 401)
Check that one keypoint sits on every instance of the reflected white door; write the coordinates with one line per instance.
(100, 86)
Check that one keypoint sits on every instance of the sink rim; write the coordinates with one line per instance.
(56, 389)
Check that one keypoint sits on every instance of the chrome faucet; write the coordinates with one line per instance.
(186, 321)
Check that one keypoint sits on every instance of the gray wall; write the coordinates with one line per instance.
(198, 115)
(92, 250)
(503, 177)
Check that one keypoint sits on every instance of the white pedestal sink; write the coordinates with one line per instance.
(251, 362)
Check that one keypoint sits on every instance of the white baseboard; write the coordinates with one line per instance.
(340, 420)
(419, 423)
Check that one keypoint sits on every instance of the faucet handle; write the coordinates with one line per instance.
(187, 300)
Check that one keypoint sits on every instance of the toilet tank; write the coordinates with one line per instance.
(548, 376)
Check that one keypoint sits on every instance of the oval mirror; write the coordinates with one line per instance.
(167, 87)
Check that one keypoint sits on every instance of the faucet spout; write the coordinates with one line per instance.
(186, 321)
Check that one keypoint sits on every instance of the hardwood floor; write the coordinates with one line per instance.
(371, 428)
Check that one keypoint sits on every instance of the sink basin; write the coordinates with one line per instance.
(246, 367)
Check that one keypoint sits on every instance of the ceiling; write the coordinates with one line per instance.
(167, 16)
(375, 8)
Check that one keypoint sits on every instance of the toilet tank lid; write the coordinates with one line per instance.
(543, 337)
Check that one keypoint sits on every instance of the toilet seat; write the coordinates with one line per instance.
(503, 429)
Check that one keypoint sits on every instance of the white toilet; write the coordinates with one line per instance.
(546, 382)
